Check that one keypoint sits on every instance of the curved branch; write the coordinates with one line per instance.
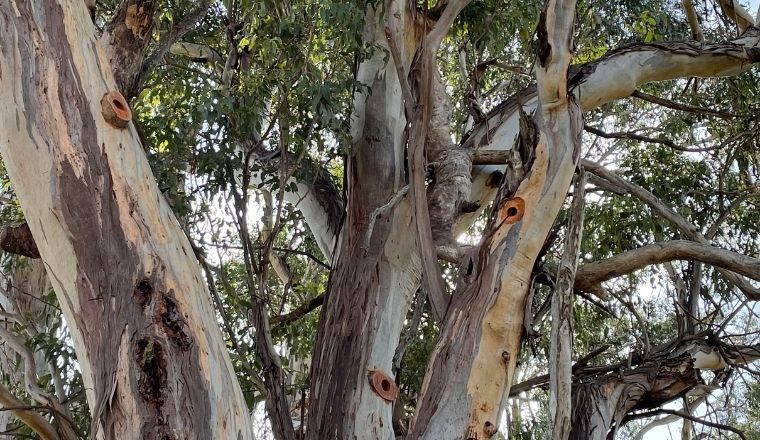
(27, 415)
(684, 226)
(619, 73)
(681, 107)
(686, 416)
(298, 312)
(39, 395)
(634, 136)
(616, 75)
(591, 274)
(704, 392)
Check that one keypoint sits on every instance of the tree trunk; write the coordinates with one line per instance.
(152, 356)
(561, 348)
(473, 364)
(377, 268)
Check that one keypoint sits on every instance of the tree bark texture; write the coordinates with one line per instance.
(125, 40)
(377, 267)
(561, 349)
(152, 356)
(473, 364)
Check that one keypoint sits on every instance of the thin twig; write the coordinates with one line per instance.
(682, 107)
(683, 415)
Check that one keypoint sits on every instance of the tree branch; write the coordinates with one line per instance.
(687, 229)
(737, 14)
(634, 136)
(423, 73)
(27, 415)
(316, 196)
(591, 274)
(175, 33)
(561, 346)
(682, 107)
(129, 33)
(614, 76)
(691, 17)
(66, 430)
(686, 416)
(298, 312)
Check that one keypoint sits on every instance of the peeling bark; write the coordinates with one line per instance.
(736, 13)
(126, 38)
(449, 195)
(372, 284)
(485, 319)
(472, 366)
(122, 268)
(561, 348)
(433, 225)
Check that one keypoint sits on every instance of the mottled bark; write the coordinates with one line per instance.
(126, 38)
(427, 138)
(377, 270)
(152, 357)
(449, 195)
(472, 366)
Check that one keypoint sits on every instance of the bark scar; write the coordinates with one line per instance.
(139, 19)
(152, 377)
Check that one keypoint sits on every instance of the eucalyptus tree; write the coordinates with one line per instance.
(169, 156)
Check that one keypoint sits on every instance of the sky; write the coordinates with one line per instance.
(753, 6)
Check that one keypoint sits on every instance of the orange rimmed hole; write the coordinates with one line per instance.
(118, 104)
(115, 109)
(383, 385)
(512, 210)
